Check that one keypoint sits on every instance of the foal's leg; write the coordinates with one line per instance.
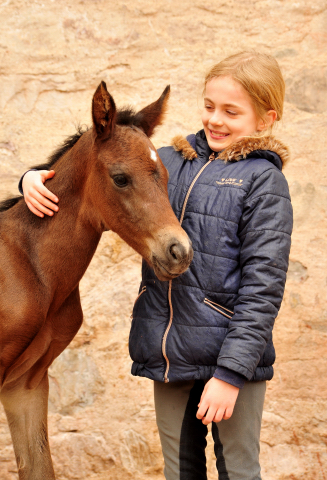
(26, 411)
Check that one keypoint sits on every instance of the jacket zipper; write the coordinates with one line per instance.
(211, 304)
(164, 340)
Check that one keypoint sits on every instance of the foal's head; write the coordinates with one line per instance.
(128, 185)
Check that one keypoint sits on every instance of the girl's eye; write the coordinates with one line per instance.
(208, 107)
(120, 180)
(231, 113)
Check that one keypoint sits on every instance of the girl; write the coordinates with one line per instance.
(205, 338)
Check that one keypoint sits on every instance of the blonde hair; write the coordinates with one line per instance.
(259, 74)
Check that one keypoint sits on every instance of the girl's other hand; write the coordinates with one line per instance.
(37, 197)
(217, 401)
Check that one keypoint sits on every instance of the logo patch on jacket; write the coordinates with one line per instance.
(230, 181)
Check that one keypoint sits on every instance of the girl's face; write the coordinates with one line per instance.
(228, 113)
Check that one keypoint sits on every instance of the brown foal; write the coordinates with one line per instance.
(107, 178)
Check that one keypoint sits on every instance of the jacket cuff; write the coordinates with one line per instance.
(229, 376)
(20, 184)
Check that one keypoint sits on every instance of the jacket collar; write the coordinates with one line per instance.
(267, 147)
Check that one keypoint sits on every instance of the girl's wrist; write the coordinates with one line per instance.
(229, 376)
(20, 183)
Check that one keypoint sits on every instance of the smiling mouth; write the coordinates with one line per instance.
(218, 134)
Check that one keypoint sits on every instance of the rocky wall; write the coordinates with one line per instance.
(53, 54)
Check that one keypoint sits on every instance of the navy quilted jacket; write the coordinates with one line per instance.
(216, 319)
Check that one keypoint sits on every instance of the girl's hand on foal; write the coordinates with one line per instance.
(217, 401)
(37, 197)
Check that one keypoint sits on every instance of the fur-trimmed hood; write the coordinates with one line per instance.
(237, 150)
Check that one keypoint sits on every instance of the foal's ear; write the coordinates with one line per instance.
(103, 112)
(151, 116)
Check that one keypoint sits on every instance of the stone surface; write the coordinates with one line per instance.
(53, 54)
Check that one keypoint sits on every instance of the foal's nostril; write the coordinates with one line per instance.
(177, 251)
(173, 252)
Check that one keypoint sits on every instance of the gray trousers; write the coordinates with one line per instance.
(183, 436)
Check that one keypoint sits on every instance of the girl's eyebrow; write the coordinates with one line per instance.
(235, 106)
(226, 105)
(232, 105)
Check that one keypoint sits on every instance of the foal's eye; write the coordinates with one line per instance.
(120, 180)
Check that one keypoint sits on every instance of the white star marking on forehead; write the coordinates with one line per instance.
(153, 154)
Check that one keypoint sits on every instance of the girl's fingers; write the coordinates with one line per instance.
(49, 173)
(34, 210)
(41, 208)
(203, 407)
(46, 174)
(210, 415)
(44, 201)
(213, 415)
(219, 415)
(46, 193)
(228, 413)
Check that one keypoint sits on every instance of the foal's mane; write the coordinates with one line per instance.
(54, 157)
(125, 116)
(67, 144)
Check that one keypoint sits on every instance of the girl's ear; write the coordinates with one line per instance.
(268, 120)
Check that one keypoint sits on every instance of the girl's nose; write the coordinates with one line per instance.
(216, 119)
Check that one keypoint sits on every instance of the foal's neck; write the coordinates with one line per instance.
(65, 243)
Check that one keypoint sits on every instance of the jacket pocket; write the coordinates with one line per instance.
(219, 308)
(141, 293)
(136, 299)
